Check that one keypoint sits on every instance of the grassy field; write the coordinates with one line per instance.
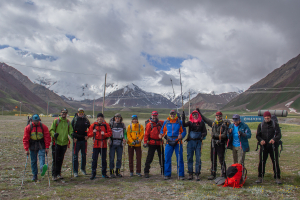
(12, 162)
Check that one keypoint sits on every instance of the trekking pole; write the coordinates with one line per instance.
(181, 91)
(242, 158)
(174, 94)
(72, 158)
(124, 158)
(262, 163)
(48, 169)
(273, 146)
(24, 172)
(224, 168)
(161, 158)
(55, 140)
(214, 152)
(178, 164)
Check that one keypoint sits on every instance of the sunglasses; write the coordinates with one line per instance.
(64, 112)
(81, 112)
(133, 116)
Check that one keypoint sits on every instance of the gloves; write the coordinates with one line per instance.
(145, 145)
(242, 134)
(183, 115)
(133, 143)
(136, 142)
(56, 135)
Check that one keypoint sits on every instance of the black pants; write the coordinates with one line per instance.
(58, 154)
(220, 152)
(149, 159)
(268, 149)
(79, 146)
(96, 152)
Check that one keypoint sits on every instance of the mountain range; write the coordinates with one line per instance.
(278, 90)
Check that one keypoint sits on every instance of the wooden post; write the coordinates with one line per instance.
(94, 109)
(189, 103)
(104, 95)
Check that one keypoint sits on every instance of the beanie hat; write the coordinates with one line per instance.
(100, 115)
(36, 117)
(154, 113)
(267, 113)
(219, 113)
(118, 115)
(172, 112)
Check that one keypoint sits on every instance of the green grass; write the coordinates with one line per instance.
(12, 161)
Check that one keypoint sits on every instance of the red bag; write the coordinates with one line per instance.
(236, 176)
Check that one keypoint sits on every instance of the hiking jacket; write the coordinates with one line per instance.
(152, 134)
(80, 126)
(173, 127)
(64, 128)
(31, 136)
(195, 127)
(100, 141)
(217, 129)
(135, 134)
(266, 132)
(244, 128)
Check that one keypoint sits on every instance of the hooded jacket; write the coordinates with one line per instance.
(36, 134)
(100, 141)
(266, 132)
(173, 127)
(63, 128)
(135, 134)
(244, 128)
(152, 134)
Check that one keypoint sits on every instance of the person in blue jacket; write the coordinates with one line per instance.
(175, 132)
(238, 135)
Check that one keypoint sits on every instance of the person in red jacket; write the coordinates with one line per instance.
(100, 131)
(152, 140)
(36, 141)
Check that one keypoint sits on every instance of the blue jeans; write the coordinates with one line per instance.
(82, 147)
(33, 158)
(168, 159)
(194, 146)
(112, 152)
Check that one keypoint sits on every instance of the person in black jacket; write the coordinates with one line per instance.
(197, 132)
(218, 142)
(80, 125)
(268, 136)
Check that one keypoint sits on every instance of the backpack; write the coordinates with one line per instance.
(236, 176)
(149, 121)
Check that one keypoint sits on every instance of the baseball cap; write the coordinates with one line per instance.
(236, 117)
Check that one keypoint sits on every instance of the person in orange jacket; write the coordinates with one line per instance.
(135, 134)
(100, 131)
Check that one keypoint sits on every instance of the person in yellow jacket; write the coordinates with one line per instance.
(135, 134)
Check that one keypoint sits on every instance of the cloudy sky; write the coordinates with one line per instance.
(219, 45)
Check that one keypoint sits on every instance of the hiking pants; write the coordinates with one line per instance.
(33, 159)
(150, 155)
(220, 152)
(113, 150)
(168, 159)
(194, 146)
(138, 152)
(268, 150)
(238, 155)
(58, 155)
(96, 152)
(79, 146)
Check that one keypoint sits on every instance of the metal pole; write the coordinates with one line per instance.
(174, 93)
(189, 103)
(20, 108)
(47, 107)
(94, 110)
(2, 110)
(104, 95)
(181, 91)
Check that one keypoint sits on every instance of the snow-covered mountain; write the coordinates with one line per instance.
(133, 96)
(177, 100)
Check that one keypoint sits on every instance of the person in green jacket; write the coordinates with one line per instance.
(59, 131)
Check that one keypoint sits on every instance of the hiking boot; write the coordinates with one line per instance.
(75, 174)
(105, 176)
(259, 180)
(146, 175)
(83, 172)
(34, 178)
(131, 174)
(112, 174)
(211, 177)
(190, 176)
(278, 181)
(181, 178)
(118, 173)
(197, 177)
(54, 178)
(93, 176)
(60, 177)
(167, 177)
(139, 174)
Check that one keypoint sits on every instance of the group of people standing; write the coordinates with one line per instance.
(163, 137)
